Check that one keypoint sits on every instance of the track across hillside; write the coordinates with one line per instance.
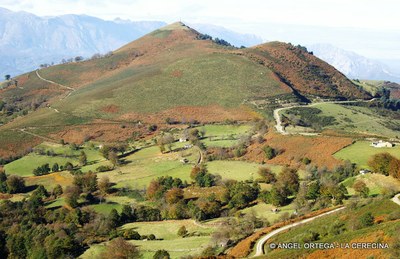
(54, 83)
(278, 119)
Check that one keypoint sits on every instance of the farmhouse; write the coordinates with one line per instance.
(381, 143)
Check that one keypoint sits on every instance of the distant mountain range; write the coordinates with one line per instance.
(353, 65)
(27, 40)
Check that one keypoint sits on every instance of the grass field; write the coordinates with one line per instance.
(224, 130)
(352, 119)
(265, 211)
(167, 231)
(376, 183)
(63, 154)
(238, 170)
(361, 151)
(25, 165)
(356, 119)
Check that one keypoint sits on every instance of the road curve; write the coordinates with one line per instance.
(278, 119)
(261, 242)
(396, 199)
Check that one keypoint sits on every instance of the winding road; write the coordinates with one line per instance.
(261, 242)
(277, 117)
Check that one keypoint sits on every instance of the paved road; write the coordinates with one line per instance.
(278, 119)
(261, 242)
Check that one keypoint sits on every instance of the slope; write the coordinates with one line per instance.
(173, 72)
(304, 72)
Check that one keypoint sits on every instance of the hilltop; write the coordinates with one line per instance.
(174, 72)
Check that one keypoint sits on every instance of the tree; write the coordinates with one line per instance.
(57, 191)
(161, 254)
(3, 181)
(182, 231)
(367, 219)
(78, 58)
(7, 77)
(55, 167)
(82, 158)
(86, 182)
(266, 175)
(71, 196)
(380, 163)
(113, 157)
(277, 197)
(120, 249)
(126, 214)
(104, 185)
(361, 188)
(269, 152)
(15, 184)
(174, 195)
(69, 166)
(288, 179)
(113, 218)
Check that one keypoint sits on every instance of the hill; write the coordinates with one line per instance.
(174, 72)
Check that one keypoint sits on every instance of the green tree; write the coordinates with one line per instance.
(289, 181)
(161, 254)
(266, 175)
(3, 181)
(126, 214)
(82, 158)
(380, 163)
(55, 167)
(15, 184)
(113, 218)
(269, 152)
(366, 219)
(182, 231)
(361, 188)
(104, 185)
(71, 196)
(7, 77)
(113, 157)
(57, 191)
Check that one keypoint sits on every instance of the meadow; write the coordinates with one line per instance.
(361, 151)
(166, 232)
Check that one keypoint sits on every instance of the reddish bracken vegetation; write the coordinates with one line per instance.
(204, 114)
(293, 149)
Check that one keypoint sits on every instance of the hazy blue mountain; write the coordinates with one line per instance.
(353, 65)
(27, 40)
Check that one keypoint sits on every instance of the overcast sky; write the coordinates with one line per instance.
(344, 23)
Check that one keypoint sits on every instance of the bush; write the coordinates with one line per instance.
(182, 232)
(366, 219)
(269, 152)
(103, 168)
(161, 254)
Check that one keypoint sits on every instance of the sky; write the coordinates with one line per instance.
(369, 27)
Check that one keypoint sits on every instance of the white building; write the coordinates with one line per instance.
(381, 143)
